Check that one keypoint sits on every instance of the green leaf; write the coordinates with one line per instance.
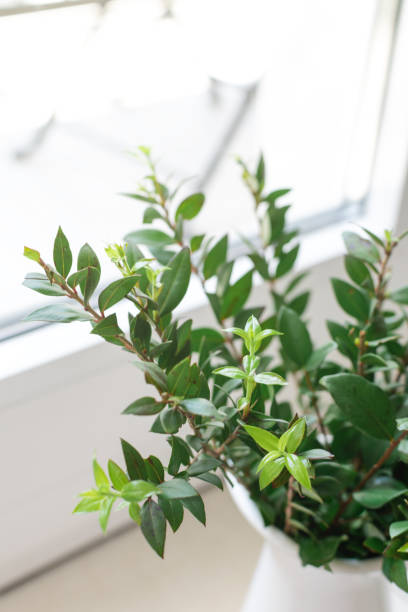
(199, 406)
(88, 504)
(40, 283)
(403, 548)
(191, 206)
(134, 462)
(89, 283)
(87, 258)
(203, 464)
(32, 254)
(117, 475)
(295, 340)
(271, 471)
(319, 355)
(101, 479)
(104, 511)
(395, 570)
(62, 254)
(212, 479)
(173, 511)
(378, 496)
(139, 196)
(150, 214)
(261, 265)
(153, 373)
(400, 296)
(155, 469)
(144, 406)
(231, 372)
(265, 439)
(317, 453)
(176, 489)
(195, 505)
(364, 404)
(175, 282)
(196, 242)
(292, 438)
(287, 261)
(402, 424)
(153, 526)
(320, 551)
(361, 248)
(116, 291)
(398, 528)
(180, 454)
(136, 490)
(108, 327)
(134, 513)
(358, 272)
(59, 313)
(149, 237)
(270, 378)
(216, 256)
(351, 299)
(236, 295)
(297, 468)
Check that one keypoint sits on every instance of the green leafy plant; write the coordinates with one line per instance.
(329, 469)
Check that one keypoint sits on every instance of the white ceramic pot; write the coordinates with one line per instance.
(281, 583)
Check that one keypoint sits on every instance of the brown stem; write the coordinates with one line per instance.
(394, 443)
(289, 509)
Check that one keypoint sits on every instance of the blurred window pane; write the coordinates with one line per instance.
(198, 81)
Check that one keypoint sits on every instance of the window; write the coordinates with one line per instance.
(198, 81)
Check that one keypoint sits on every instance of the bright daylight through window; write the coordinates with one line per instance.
(93, 80)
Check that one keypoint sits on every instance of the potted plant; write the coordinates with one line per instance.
(327, 474)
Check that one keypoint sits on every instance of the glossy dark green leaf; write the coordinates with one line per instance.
(153, 526)
(300, 302)
(199, 406)
(319, 355)
(236, 295)
(144, 406)
(89, 283)
(395, 570)
(87, 258)
(361, 248)
(295, 339)
(287, 261)
(191, 206)
(358, 272)
(398, 528)
(134, 462)
(149, 237)
(116, 291)
(173, 511)
(364, 404)
(215, 257)
(153, 373)
(180, 454)
(107, 327)
(195, 505)
(169, 421)
(40, 283)
(176, 489)
(59, 313)
(211, 479)
(343, 339)
(203, 464)
(175, 282)
(319, 551)
(351, 299)
(376, 497)
(154, 469)
(62, 254)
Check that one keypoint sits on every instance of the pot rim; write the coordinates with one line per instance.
(276, 536)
